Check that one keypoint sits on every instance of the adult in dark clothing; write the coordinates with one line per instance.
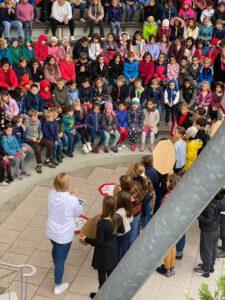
(221, 250)
(105, 256)
(81, 46)
(209, 222)
(219, 65)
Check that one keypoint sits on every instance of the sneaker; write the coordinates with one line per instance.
(220, 255)
(172, 271)
(55, 162)
(49, 164)
(211, 270)
(82, 20)
(123, 145)
(106, 149)
(161, 270)
(142, 148)
(25, 174)
(179, 257)
(72, 38)
(4, 183)
(70, 154)
(18, 177)
(39, 169)
(92, 295)
(89, 146)
(133, 147)
(59, 159)
(120, 147)
(168, 273)
(199, 271)
(114, 149)
(85, 148)
(61, 288)
(65, 152)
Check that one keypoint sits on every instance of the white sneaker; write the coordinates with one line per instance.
(82, 20)
(4, 183)
(123, 145)
(85, 148)
(58, 289)
(72, 38)
(89, 146)
(120, 147)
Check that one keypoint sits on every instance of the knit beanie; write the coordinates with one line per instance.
(27, 39)
(135, 101)
(108, 105)
(13, 39)
(166, 23)
(53, 39)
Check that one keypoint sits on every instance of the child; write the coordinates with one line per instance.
(115, 17)
(204, 96)
(67, 68)
(73, 137)
(155, 92)
(36, 71)
(188, 92)
(73, 92)
(151, 120)
(195, 69)
(5, 169)
(22, 69)
(124, 44)
(180, 149)
(109, 125)
(138, 46)
(51, 70)
(205, 30)
(164, 29)
(101, 95)
(135, 122)
(53, 48)
(130, 69)
(119, 92)
(200, 51)
(94, 127)
(184, 116)
(25, 14)
(60, 95)
(115, 68)
(208, 12)
(146, 68)
(206, 72)
(36, 141)
(122, 117)
(83, 69)
(96, 14)
(138, 90)
(161, 69)
(33, 99)
(14, 51)
(10, 106)
(65, 48)
(171, 99)
(14, 152)
(41, 48)
(124, 209)
(4, 51)
(173, 68)
(110, 48)
(107, 227)
(219, 30)
(45, 93)
(95, 47)
(184, 71)
(27, 50)
(200, 124)
(86, 95)
(81, 46)
(167, 269)
(150, 29)
(213, 49)
(100, 69)
(49, 130)
(186, 12)
(153, 48)
(215, 111)
(164, 44)
(81, 127)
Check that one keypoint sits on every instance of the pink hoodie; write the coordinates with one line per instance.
(186, 14)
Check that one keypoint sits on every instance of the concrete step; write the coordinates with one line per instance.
(9, 296)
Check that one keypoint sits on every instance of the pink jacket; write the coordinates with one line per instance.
(187, 14)
(25, 12)
(54, 51)
(173, 71)
(11, 108)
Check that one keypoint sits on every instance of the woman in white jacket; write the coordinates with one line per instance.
(63, 207)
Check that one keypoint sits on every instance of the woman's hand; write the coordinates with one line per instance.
(82, 237)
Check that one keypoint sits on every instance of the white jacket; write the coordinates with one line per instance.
(61, 12)
(62, 209)
(94, 50)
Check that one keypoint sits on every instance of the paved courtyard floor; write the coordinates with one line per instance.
(22, 240)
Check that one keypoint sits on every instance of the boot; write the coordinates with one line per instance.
(93, 146)
(9, 178)
(97, 148)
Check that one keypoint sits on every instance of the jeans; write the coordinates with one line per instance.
(27, 28)
(115, 139)
(19, 164)
(57, 150)
(59, 256)
(15, 24)
(81, 7)
(130, 9)
(99, 133)
(123, 244)
(92, 25)
(72, 141)
(117, 26)
(180, 246)
(145, 218)
(135, 228)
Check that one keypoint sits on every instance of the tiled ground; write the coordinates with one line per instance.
(22, 240)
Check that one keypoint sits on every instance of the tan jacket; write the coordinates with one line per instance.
(151, 119)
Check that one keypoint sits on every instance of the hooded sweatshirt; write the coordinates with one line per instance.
(15, 54)
(41, 51)
(67, 70)
(186, 14)
(62, 209)
(26, 52)
(171, 96)
(45, 95)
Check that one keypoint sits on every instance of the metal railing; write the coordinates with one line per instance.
(25, 271)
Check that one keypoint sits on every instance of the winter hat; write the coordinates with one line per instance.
(27, 39)
(108, 105)
(135, 101)
(13, 39)
(53, 39)
(166, 23)
(214, 41)
(192, 131)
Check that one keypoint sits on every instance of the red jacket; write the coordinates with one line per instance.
(212, 53)
(67, 70)
(146, 70)
(41, 51)
(8, 80)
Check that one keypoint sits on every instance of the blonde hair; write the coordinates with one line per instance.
(49, 113)
(32, 112)
(61, 182)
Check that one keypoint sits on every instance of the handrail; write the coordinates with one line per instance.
(33, 269)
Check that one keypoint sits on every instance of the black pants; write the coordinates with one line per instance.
(208, 247)
(55, 23)
(92, 27)
(84, 135)
(170, 111)
(222, 230)
(102, 276)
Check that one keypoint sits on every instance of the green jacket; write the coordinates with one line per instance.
(149, 30)
(15, 54)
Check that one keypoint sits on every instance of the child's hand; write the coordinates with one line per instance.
(82, 237)
(34, 140)
(73, 192)
(111, 131)
(24, 149)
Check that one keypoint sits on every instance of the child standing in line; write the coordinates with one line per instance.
(122, 117)
(180, 149)
(109, 125)
(167, 269)
(204, 97)
(173, 68)
(171, 98)
(151, 120)
(135, 122)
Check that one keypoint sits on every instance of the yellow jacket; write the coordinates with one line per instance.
(192, 152)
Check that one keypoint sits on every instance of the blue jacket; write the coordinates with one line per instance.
(219, 34)
(93, 121)
(206, 74)
(131, 69)
(169, 13)
(4, 53)
(152, 174)
(33, 101)
(49, 130)
(114, 14)
(122, 117)
(20, 135)
(10, 145)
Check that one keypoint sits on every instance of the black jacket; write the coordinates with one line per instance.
(78, 49)
(115, 70)
(119, 95)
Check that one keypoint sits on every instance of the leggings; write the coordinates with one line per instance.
(84, 135)
(102, 276)
(152, 137)
(169, 260)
